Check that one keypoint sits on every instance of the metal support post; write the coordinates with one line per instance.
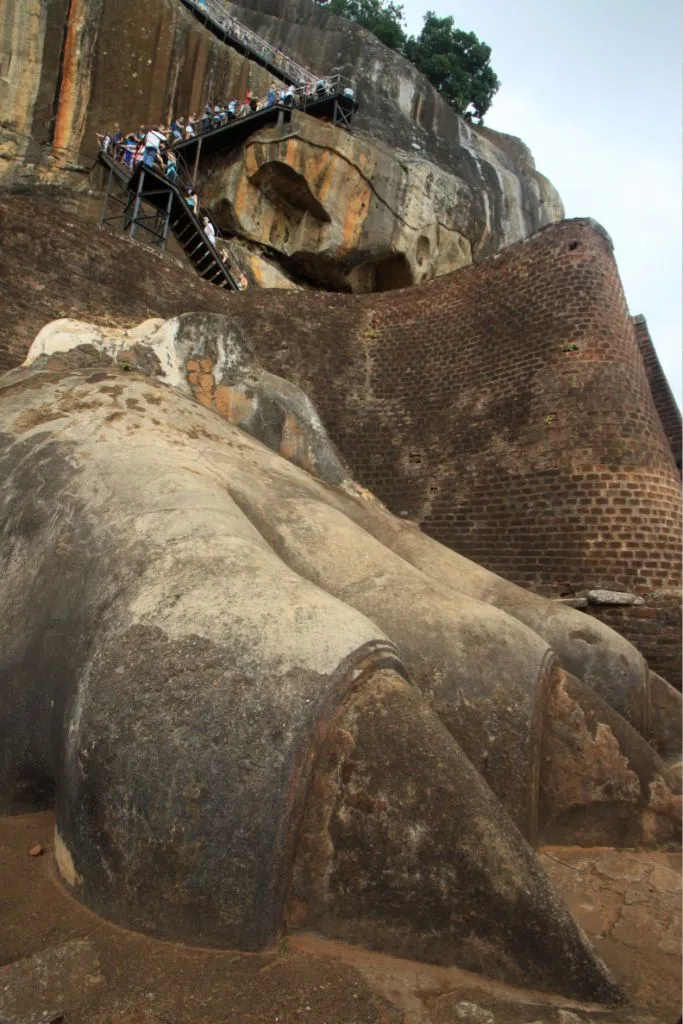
(167, 220)
(196, 163)
(107, 193)
(136, 205)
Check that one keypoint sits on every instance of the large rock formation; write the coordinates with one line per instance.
(399, 106)
(341, 210)
(71, 69)
(406, 211)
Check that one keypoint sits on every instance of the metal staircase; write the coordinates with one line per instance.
(214, 16)
(135, 192)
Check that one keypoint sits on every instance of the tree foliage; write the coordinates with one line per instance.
(457, 63)
(384, 18)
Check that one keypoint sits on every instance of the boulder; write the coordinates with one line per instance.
(345, 211)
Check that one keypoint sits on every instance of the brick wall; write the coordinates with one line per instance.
(665, 403)
(505, 407)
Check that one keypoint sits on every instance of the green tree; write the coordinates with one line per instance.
(455, 62)
(384, 18)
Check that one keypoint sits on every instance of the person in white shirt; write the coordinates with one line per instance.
(153, 140)
(209, 231)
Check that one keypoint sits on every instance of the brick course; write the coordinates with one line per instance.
(665, 403)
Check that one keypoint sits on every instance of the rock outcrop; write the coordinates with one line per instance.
(400, 107)
(375, 211)
(339, 210)
(71, 68)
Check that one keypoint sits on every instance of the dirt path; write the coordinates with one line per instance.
(64, 965)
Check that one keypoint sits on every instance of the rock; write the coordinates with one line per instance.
(196, 353)
(66, 81)
(35, 989)
(573, 602)
(472, 1012)
(365, 214)
(612, 597)
(36, 850)
(399, 107)
(348, 212)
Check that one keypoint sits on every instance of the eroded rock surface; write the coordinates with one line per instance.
(368, 212)
(349, 212)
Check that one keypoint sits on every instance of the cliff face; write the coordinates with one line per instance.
(69, 68)
(345, 212)
(413, 193)
(400, 107)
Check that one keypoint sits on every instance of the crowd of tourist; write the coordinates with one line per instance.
(153, 147)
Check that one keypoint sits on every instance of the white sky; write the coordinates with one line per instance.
(593, 87)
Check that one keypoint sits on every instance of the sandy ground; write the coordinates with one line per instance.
(63, 965)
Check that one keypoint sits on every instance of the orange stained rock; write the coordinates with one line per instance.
(354, 217)
(293, 441)
(205, 381)
(233, 404)
(206, 365)
(191, 364)
(73, 75)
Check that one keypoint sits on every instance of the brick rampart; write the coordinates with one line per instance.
(665, 403)
(505, 407)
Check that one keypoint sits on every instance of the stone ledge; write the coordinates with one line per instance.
(612, 597)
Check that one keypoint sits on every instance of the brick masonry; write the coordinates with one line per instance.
(507, 409)
(665, 403)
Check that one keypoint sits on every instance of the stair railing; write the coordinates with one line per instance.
(216, 12)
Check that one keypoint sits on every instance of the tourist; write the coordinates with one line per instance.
(153, 140)
(171, 166)
(117, 142)
(130, 144)
(192, 199)
(190, 129)
(209, 230)
(177, 128)
(271, 95)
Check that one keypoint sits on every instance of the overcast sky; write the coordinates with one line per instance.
(594, 89)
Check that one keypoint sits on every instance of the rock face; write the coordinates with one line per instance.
(346, 212)
(227, 669)
(401, 108)
(72, 67)
(375, 211)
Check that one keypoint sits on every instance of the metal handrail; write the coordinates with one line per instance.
(251, 41)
